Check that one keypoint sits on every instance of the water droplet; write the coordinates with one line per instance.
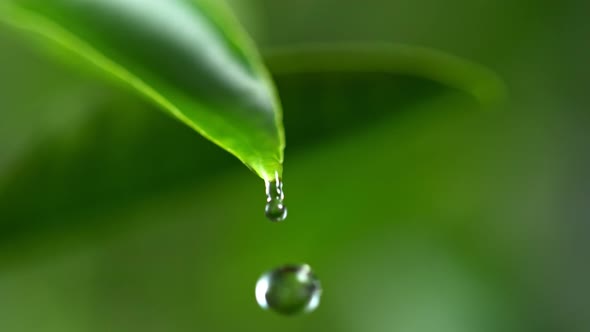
(288, 290)
(275, 209)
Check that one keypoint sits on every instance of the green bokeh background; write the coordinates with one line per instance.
(419, 209)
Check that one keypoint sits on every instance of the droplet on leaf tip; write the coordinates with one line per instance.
(275, 209)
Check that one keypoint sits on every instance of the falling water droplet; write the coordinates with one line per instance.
(275, 209)
(289, 290)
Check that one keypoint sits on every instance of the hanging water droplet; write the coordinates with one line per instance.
(289, 290)
(275, 209)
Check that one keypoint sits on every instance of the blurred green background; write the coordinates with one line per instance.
(419, 209)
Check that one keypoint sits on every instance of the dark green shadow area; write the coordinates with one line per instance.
(71, 184)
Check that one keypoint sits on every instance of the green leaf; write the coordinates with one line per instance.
(189, 57)
(101, 153)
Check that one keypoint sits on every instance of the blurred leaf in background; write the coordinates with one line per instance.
(419, 208)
